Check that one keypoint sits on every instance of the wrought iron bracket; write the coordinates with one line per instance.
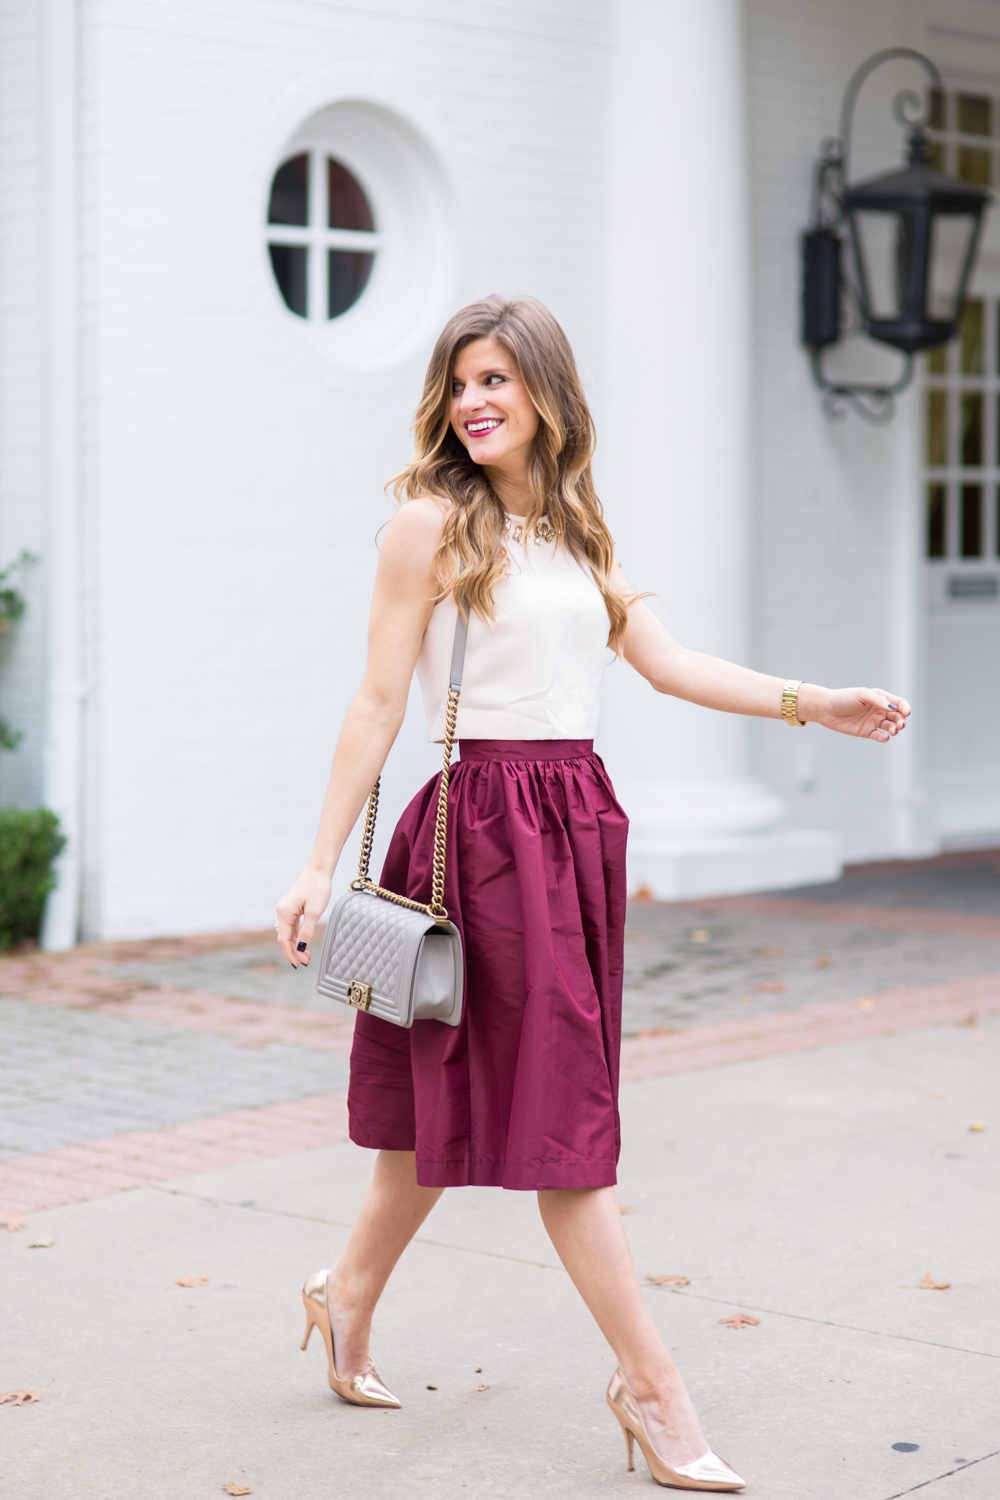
(874, 401)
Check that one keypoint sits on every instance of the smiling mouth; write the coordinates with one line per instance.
(480, 429)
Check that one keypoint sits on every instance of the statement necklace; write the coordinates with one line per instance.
(543, 532)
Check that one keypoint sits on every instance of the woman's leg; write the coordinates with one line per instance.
(585, 1226)
(393, 1209)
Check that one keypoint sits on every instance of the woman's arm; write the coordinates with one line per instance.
(869, 713)
(402, 601)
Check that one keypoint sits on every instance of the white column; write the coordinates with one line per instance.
(60, 560)
(913, 834)
(676, 459)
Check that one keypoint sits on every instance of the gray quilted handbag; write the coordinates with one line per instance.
(384, 953)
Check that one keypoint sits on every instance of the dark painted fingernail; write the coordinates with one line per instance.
(300, 947)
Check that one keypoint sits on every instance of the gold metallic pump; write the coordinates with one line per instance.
(705, 1473)
(361, 1390)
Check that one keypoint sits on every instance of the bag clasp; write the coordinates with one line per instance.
(359, 995)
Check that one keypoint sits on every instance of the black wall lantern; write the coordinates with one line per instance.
(912, 237)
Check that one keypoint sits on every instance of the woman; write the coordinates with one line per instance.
(523, 1093)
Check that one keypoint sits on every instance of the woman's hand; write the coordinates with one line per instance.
(298, 913)
(869, 713)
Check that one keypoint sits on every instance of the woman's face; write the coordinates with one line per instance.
(491, 412)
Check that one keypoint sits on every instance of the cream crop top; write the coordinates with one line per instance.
(535, 673)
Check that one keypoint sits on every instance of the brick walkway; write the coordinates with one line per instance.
(68, 1076)
(120, 1069)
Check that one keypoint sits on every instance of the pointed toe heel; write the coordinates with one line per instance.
(359, 1390)
(706, 1473)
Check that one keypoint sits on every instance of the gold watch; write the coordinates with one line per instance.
(790, 705)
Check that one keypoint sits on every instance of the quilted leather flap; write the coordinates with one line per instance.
(374, 941)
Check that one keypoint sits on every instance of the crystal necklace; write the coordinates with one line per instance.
(542, 531)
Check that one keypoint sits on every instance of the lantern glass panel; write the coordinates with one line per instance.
(951, 237)
(882, 241)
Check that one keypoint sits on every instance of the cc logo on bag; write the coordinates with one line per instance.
(359, 995)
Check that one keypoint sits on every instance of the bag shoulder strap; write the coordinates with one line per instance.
(362, 882)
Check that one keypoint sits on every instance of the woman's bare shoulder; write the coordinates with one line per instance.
(423, 516)
(413, 536)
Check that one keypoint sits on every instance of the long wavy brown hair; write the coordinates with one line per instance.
(560, 481)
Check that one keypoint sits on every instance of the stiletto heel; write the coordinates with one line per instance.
(629, 1448)
(360, 1390)
(705, 1473)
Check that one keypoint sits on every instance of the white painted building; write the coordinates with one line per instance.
(200, 468)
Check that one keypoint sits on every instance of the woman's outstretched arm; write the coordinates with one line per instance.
(402, 601)
(870, 713)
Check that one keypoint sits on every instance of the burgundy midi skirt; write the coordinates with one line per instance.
(524, 1092)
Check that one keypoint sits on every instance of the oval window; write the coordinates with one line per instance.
(322, 236)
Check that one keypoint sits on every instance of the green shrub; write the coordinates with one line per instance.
(30, 842)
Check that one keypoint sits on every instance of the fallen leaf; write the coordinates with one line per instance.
(13, 1222)
(770, 987)
(432, 1387)
(740, 1320)
(769, 952)
(193, 1281)
(232, 1488)
(643, 894)
(624, 1209)
(865, 1004)
(822, 961)
(479, 1369)
(930, 1285)
(41, 1244)
(701, 935)
(669, 1280)
(18, 1398)
(482, 1387)
(979, 1125)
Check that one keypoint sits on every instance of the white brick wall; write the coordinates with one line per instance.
(233, 476)
(827, 493)
(234, 479)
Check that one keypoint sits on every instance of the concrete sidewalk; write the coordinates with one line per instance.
(813, 1190)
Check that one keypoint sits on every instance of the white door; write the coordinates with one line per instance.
(962, 486)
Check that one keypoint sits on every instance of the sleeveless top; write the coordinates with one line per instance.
(535, 673)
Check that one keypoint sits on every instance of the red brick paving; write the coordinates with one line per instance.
(85, 980)
(76, 1173)
(959, 1002)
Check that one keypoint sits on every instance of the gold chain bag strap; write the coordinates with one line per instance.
(383, 953)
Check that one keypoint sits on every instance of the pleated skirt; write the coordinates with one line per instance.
(523, 1093)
